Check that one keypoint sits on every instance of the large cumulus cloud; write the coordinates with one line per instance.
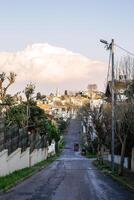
(48, 65)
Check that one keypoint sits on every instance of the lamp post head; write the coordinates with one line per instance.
(104, 42)
(107, 45)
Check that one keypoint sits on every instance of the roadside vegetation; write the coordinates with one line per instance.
(127, 180)
(97, 123)
(91, 155)
(28, 114)
(41, 128)
(26, 125)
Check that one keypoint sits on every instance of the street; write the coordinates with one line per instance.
(71, 177)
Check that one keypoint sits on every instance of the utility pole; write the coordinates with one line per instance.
(111, 48)
(27, 114)
(113, 106)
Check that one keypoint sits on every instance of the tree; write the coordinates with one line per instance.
(87, 119)
(16, 115)
(62, 125)
(101, 120)
(3, 88)
(98, 120)
(44, 126)
(29, 91)
(9, 100)
(38, 96)
(124, 128)
(130, 91)
(54, 134)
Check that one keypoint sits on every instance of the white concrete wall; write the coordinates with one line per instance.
(37, 155)
(33, 159)
(3, 163)
(19, 160)
(117, 159)
(14, 161)
(24, 159)
(132, 160)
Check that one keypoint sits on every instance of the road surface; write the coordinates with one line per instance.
(71, 177)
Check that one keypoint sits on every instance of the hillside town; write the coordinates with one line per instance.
(66, 100)
(32, 125)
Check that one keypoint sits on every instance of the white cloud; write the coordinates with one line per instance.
(50, 65)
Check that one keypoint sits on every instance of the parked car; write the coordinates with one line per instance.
(83, 151)
(76, 147)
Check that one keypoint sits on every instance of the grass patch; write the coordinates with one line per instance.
(91, 155)
(6, 182)
(126, 180)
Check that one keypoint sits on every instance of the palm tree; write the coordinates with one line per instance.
(29, 91)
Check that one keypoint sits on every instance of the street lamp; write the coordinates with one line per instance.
(110, 46)
(103, 41)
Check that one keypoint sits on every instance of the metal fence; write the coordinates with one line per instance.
(2, 130)
(14, 138)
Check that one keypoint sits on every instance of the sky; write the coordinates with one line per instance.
(76, 25)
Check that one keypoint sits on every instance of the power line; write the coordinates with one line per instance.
(132, 54)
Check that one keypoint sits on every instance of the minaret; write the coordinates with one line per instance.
(57, 92)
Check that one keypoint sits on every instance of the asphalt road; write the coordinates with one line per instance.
(71, 177)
